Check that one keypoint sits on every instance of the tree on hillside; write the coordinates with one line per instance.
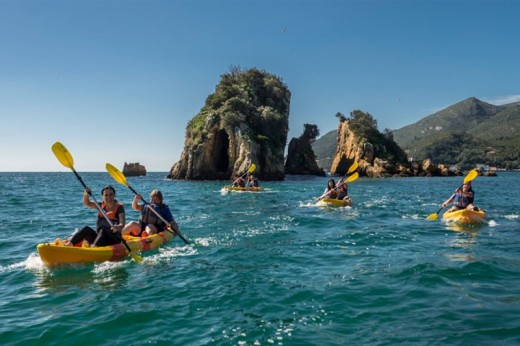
(310, 133)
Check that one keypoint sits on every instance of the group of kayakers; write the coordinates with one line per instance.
(462, 198)
(110, 224)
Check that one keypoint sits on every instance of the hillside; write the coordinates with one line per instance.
(467, 133)
(324, 148)
(464, 134)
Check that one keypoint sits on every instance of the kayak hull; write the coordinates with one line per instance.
(465, 216)
(243, 189)
(53, 255)
(332, 202)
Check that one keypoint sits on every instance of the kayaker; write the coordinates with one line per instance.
(462, 198)
(252, 181)
(149, 223)
(342, 189)
(239, 182)
(105, 234)
(330, 190)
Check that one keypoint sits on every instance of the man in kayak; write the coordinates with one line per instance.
(105, 234)
(462, 198)
(149, 223)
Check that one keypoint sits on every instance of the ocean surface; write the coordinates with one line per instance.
(267, 268)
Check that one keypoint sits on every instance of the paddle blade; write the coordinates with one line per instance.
(470, 176)
(136, 258)
(353, 167)
(433, 216)
(116, 174)
(353, 177)
(63, 155)
(252, 168)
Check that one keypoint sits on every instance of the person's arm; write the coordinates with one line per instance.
(86, 200)
(118, 227)
(135, 203)
(448, 201)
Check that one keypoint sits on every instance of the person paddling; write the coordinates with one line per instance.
(105, 234)
(462, 198)
(149, 223)
(342, 189)
(330, 191)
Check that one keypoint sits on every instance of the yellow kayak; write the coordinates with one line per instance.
(243, 189)
(53, 254)
(333, 202)
(465, 216)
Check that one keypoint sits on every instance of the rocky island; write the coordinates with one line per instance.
(245, 121)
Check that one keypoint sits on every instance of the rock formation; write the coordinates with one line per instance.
(377, 154)
(245, 121)
(300, 156)
(133, 169)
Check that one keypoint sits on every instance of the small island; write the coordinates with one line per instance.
(134, 169)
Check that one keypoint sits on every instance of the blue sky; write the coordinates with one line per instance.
(118, 81)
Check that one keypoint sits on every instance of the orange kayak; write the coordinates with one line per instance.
(53, 254)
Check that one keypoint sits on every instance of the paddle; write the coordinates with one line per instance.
(469, 177)
(121, 179)
(349, 180)
(251, 169)
(65, 158)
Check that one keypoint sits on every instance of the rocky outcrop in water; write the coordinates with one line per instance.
(245, 121)
(133, 169)
(377, 153)
(300, 156)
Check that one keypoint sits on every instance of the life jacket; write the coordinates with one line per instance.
(148, 217)
(112, 215)
(461, 201)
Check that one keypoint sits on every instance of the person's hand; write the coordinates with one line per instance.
(116, 228)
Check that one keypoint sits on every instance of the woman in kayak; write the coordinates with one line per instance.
(105, 234)
(342, 189)
(149, 223)
(462, 198)
(239, 182)
(330, 190)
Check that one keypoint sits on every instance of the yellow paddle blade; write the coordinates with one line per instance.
(470, 176)
(136, 258)
(63, 155)
(353, 167)
(252, 168)
(116, 174)
(353, 177)
(433, 216)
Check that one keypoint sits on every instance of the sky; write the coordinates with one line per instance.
(118, 81)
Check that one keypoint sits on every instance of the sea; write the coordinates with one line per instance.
(268, 268)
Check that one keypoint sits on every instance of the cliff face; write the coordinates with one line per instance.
(245, 121)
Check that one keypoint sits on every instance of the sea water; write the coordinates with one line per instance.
(267, 268)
